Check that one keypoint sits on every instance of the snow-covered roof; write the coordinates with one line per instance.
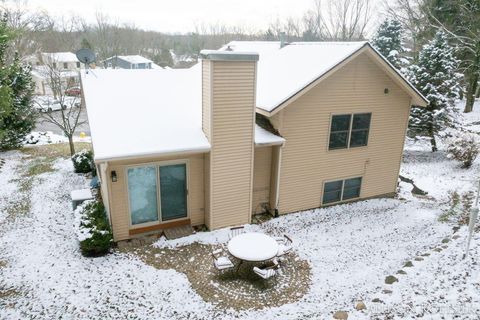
(61, 56)
(282, 72)
(135, 59)
(144, 112)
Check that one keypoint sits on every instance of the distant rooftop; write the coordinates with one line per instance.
(60, 56)
(135, 59)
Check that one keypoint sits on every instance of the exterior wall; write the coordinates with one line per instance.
(102, 173)
(262, 173)
(206, 98)
(119, 210)
(123, 64)
(305, 124)
(232, 139)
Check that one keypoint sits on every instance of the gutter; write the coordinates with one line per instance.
(154, 154)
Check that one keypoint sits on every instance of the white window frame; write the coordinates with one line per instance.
(157, 166)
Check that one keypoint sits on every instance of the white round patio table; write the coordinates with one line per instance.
(253, 246)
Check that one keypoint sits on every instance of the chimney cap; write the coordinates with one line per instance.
(216, 55)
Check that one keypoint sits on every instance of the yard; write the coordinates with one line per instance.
(342, 254)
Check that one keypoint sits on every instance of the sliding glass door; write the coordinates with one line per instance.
(142, 194)
(157, 193)
(173, 191)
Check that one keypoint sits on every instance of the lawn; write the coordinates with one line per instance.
(342, 255)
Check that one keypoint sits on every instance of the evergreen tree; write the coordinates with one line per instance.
(17, 115)
(388, 40)
(436, 77)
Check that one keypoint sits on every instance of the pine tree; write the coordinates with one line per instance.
(388, 40)
(17, 115)
(436, 77)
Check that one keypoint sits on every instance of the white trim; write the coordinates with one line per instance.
(157, 165)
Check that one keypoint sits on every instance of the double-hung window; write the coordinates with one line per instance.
(349, 130)
(341, 190)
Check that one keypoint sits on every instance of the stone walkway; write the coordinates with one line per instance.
(229, 289)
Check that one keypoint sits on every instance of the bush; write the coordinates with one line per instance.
(83, 161)
(92, 229)
(464, 148)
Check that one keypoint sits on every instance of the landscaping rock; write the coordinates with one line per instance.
(437, 249)
(408, 264)
(425, 254)
(401, 272)
(360, 306)
(390, 279)
(377, 300)
(446, 240)
(455, 237)
(418, 259)
(444, 246)
(386, 291)
(340, 315)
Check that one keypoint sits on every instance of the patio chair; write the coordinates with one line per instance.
(221, 262)
(285, 245)
(235, 231)
(267, 272)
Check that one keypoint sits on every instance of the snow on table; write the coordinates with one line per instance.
(253, 246)
(81, 195)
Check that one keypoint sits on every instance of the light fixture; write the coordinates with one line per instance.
(113, 174)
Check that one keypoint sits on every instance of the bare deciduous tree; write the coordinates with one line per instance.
(67, 118)
(340, 19)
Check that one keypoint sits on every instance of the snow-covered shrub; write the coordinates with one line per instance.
(464, 148)
(83, 161)
(92, 229)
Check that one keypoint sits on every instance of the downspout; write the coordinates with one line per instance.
(277, 187)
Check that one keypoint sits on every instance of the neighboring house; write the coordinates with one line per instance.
(130, 62)
(41, 76)
(66, 63)
(252, 127)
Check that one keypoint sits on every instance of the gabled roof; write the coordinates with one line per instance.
(134, 59)
(60, 56)
(284, 72)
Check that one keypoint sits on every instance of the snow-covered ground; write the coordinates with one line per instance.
(351, 249)
(48, 137)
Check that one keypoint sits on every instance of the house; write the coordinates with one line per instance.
(255, 126)
(65, 63)
(42, 78)
(130, 62)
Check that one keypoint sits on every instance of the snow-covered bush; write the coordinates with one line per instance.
(464, 148)
(83, 161)
(92, 229)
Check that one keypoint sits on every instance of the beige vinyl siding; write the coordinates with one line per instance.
(120, 213)
(206, 98)
(307, 163)
(102, 172)
(262, 173)
(232, 129)
(274, 177)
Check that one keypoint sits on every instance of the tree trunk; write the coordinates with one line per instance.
(433, 142)
(72, 146)
(471, 91)
(478, 90)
